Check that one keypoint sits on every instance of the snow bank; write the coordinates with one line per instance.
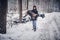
(47, 29)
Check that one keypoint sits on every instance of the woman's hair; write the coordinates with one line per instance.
(34, 7)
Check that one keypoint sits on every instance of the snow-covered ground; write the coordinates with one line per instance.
(47, 29)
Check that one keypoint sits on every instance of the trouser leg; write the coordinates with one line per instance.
(34, 24)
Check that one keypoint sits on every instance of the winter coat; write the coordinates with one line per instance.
(33, 12)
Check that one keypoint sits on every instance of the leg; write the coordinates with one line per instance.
(34, 25)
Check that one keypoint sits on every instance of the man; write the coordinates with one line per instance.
(33, 14)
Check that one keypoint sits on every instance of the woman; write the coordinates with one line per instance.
(33, 14)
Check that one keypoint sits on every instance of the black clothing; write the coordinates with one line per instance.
(35, 12)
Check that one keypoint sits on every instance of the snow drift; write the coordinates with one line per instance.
(47, 29)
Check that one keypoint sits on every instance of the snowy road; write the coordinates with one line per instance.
(47, 29)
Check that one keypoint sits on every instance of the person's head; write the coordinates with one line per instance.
(34, 7)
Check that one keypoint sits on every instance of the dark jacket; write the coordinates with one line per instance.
(35, 12)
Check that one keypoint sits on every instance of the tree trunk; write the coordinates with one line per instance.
(27, 4)
(3, 10)
(20, 9)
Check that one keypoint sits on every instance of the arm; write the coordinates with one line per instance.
(37, 13)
